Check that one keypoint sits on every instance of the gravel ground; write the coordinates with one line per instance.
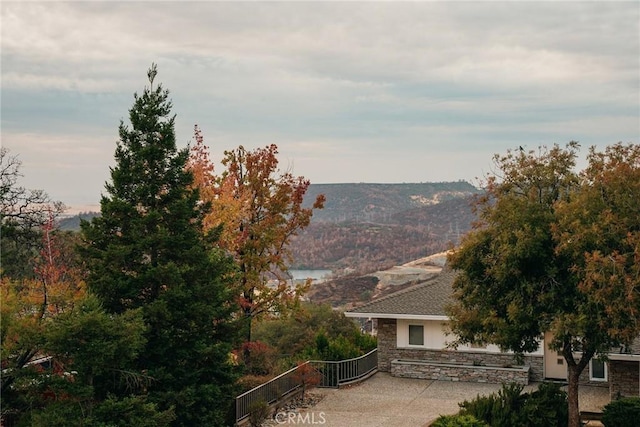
(386, 401)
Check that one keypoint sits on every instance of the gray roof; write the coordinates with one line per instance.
(428, 298)
(634, 348)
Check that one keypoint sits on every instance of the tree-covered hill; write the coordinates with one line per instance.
(72, 223)
(364, 247)
(367, 227)
(365, 202)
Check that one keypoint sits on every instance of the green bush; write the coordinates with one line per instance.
(248, 382)
(313, 332)
(623, 412)
(112, 412)
(497, 410)
(482, 407)
(545, 407)
(458, 421)
(258, 412)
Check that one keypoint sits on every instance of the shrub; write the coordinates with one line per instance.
(482, 407)
(546, 406)
(624, 412)
(313, 332)
(258, 412)
(497, 410)
(261, 358)
(248, 382)
(307, 376)
(458, 421)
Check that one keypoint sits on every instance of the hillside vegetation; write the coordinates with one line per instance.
(369, 227)
(364, 202)
(382, 225)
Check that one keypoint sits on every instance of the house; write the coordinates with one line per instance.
(413, 337)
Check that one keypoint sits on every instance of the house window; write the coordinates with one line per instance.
(477, 345)
(597, 370)
(416, 335)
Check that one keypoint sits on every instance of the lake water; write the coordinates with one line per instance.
(315, 275)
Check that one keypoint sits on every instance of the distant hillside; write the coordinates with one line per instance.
(379, 202)
(349, 291)
(72, 223)
(367, 246)
(369, 227)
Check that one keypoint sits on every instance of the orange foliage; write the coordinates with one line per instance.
(259, 209)
(59, 285)
(56, 288)
(307, 376)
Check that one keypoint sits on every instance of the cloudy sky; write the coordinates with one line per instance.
(349, 91)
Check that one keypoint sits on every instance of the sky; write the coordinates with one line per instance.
(379, 92)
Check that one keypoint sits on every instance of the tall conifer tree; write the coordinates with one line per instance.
(148, 250)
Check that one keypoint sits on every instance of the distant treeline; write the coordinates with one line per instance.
(72, 223)
(369, 246)
(383, 224)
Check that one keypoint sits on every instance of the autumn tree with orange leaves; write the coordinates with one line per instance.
(257, 209)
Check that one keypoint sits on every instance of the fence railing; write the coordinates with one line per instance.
(337, 373)
(269, 392)
(333, 374)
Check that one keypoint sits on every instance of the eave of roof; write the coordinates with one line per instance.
(356, 314)
(629, 357)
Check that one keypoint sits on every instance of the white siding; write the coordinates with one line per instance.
(435, 337)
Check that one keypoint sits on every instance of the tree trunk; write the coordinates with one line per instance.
(246, 303)
(247, 311)
(246, 354)
(572, 395)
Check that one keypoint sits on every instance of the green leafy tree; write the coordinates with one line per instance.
(148, 250)
(554, 251)
(98, 347)
(88, 364)
(314, 332)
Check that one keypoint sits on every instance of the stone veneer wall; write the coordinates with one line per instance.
(623, 378)
(387, 351)
(453, 372)
(585, 380)
(387, 340)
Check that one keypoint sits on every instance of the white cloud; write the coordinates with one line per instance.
(69, 167)
(341, 87)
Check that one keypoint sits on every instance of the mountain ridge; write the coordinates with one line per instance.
(377, 202)
(366, 227)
